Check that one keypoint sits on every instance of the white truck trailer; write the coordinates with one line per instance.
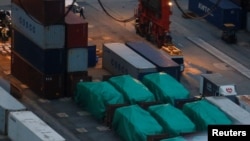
(7, 104)
(237, 114)
(26, 126)
(119, 59)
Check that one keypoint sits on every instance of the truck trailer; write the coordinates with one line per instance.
(119, 59)
(214, 84)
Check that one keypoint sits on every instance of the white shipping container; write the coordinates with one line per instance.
(77, 59)
(234, 111)
(46, 37)
(7, 104)
(120, 59)
(26, 126)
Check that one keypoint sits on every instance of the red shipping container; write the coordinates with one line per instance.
(48, 86)
(76, 31)
(72, 78)
(47, 12)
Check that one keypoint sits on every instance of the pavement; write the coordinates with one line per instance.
(222, 56)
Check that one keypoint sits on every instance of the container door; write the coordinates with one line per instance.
(232, 16)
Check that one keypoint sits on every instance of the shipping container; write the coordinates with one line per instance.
(119, 59)
(92, 56)
(77, 59)
(52, 36)
(76, 31)
(48, 61)
(224, 12)
(44, 12)
(27, 126)
(157, 57)
(7, 104)
(237, 114)
(48, 86)
(215, 84)
(72, 78)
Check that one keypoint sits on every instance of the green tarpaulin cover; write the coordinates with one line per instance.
(174, 139)
(132, 89)
(203, 113)
(95, 96)
(173, 120)
(132, 123)
(165, 88)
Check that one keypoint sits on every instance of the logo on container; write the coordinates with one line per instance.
(204, 8)
(27, 25)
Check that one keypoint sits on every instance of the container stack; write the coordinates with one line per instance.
(77, 50)
(51, 53)
(38, 40)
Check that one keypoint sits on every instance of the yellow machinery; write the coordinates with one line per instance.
(229, 33)
(175, 54)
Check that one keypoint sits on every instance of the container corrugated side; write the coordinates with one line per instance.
(225, 12)
(77, 59)
(160, 60)
(48, 86)
(7, 104)
(119, 59)
(76, 31)
(237, 114)
(27, 126)
(46, 12)
(48, 61)
(46, 37)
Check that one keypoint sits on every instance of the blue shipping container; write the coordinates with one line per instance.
(92, 57)
(225, 12)
(48, 61)
(156, 56)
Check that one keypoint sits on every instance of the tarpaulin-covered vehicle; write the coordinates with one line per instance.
(96, 96)
(179, 138)
(132, 123)
(204, 113)
(165, 87)
(133, 90)
(173, 120)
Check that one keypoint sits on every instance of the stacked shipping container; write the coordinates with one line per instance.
(38, 56)
(49, 44)
(76, 50)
